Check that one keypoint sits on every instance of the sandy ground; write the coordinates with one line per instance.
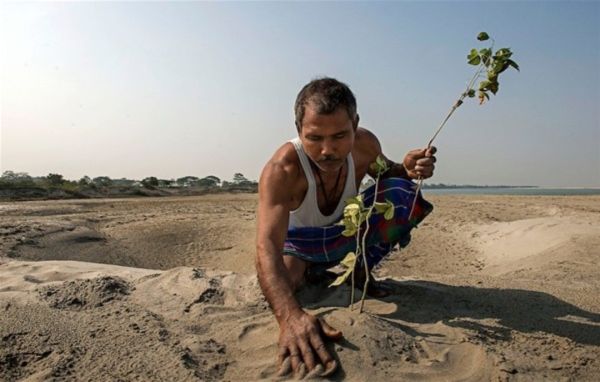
(497, 288)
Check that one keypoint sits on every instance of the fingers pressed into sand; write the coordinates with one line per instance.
(333, 334)
(281, 355)
(319, 346)
(285, 367)
(307, 354)
(301, 371)
(316, 372)
(330, 369)
(295, 357)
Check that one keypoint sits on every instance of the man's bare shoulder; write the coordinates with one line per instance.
(366, 144)
(282, 179)
(284, 164)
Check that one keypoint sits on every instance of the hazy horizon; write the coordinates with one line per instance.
(169, 89)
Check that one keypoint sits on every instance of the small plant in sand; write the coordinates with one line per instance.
(355, 215)
(489, 67)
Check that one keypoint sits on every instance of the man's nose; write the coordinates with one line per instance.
(327, 148)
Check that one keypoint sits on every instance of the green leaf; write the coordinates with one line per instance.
(349, 232)
(482, 36)
(475, 61)
(340, 280)
(349, 261)
(380, 207)
(483, 85)
(503, 53)
(358, 199)
(473, 57)
(380, 165)
(389, 213)
(352, 209)
(513, 64)
(485, 54)
(494, 87)
(471, 93)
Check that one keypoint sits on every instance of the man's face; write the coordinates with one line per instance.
(327, 139)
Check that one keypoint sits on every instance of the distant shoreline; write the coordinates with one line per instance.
(517, 191)
(40, 194)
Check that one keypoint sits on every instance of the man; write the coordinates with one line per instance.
(303, 188)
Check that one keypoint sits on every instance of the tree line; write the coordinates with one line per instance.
(15, 181)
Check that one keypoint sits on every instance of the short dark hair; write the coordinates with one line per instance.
(325, 95)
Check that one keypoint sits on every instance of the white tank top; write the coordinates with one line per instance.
(309, 214)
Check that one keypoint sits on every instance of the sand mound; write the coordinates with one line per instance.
(83, 294)
(510, 246)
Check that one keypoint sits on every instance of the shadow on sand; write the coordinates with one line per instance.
(460, 306)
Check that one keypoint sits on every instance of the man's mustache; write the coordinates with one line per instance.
(328, 158)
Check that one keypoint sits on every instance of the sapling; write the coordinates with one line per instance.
(356, 213)
(493, 65)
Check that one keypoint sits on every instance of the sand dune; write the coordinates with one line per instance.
(494, 288)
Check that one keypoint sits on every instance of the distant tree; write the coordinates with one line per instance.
(239, 178)
(55, 180)
(85, 181)
(150, 182)
(8, 176)
(187, 181)
(165, 182)
(213, 178)
(209, 181)
(123, 182)
(102, 181)
(16, 179)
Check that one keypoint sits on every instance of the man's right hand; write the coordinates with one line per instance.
(301, 346)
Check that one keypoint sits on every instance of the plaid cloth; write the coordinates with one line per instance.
(327, 245)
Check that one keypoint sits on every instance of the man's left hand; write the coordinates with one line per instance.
(419, 163)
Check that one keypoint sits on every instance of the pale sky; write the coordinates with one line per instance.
(170, 89)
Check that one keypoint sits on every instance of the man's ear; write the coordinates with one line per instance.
(355, 123)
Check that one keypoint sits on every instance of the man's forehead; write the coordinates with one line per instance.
(325, 129)
(339, 119)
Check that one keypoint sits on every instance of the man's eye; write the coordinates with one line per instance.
(314, 139)
(340, 136)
